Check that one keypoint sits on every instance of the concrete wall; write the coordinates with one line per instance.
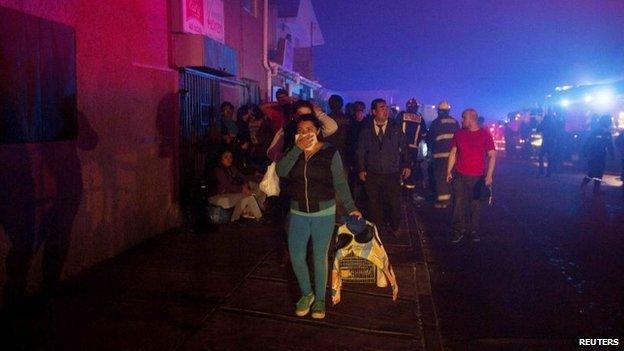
(119, 175)
(243, 32)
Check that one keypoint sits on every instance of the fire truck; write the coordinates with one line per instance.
(519, 131)
(582, 106)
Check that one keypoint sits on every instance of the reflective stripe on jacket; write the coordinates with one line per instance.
(440, 135)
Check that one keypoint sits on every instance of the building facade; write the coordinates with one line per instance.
(293, 34)
(141, 85)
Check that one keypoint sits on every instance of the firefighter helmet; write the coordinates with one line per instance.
(412, 102)
(444, 105)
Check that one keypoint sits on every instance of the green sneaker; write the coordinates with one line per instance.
(318, 310)
(303, 305)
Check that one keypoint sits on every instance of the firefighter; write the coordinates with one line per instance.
(598, 144)
(415, 129)
(619, 142)
(439, 139)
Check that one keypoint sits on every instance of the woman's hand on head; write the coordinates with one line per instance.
(318, 110)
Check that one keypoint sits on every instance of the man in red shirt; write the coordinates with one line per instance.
(466, 167)
(278, 112)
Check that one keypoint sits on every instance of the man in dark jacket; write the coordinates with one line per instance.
(358, 122)
(383, 161)
(598, 144)
(551, 129)
(340, 139)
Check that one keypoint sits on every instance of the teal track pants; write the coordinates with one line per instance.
(300, 229)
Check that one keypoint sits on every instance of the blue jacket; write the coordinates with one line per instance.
(383, 157)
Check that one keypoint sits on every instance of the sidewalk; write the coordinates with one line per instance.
(227, 291)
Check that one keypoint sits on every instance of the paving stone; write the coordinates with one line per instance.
(230, 331)
(227, 290)
(359, 310)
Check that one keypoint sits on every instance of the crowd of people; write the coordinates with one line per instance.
(347, 164)
(593, 146)
(351, 163)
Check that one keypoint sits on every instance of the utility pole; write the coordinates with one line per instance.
(311, 46)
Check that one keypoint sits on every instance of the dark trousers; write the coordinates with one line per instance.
(622, 175)
(431, 184)
(465, 206)
(417, 174)
(551, 155)
(510, 148)
(596, 166)
(443, 189)
(527, 148)
(384, 192)
(357, 190)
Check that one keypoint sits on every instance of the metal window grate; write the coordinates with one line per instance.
(354, 269)
(200, 125)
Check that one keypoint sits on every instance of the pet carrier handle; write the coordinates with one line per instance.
(376, 232)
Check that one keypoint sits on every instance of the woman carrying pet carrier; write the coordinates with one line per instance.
(315, 173)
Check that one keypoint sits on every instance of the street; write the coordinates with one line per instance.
(547, 270)
(546, 273)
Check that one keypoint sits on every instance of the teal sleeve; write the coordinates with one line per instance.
(288, 161)
(340, 183)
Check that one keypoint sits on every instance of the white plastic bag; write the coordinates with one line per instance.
(270, 182)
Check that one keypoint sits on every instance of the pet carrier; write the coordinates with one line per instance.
(361, 258)
(354, 269)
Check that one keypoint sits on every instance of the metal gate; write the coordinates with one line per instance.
(200, 128)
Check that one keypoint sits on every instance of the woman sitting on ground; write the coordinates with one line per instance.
(233, 190)
(315, 173)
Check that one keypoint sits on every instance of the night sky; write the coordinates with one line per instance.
(496, 56)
